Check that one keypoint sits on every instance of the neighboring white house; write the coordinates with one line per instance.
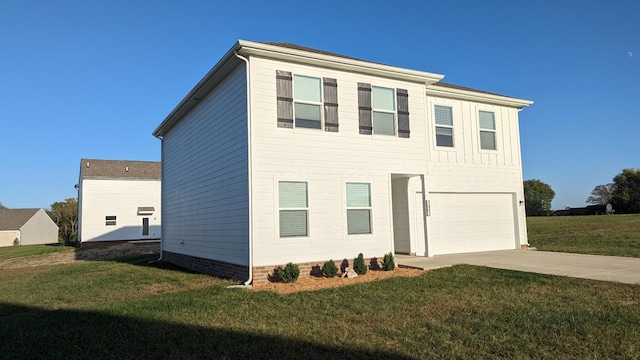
(288, 154)
(26, 227)
(118, 200)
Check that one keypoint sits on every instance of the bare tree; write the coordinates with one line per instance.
(601, 194)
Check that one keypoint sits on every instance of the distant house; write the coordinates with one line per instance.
(283, 153)
(118, 200)
(26, 227)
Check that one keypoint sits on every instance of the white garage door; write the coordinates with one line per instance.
(460, 223)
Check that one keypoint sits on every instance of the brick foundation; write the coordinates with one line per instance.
(85, 244)
(265, 274)
(206, 266)
(261, 274)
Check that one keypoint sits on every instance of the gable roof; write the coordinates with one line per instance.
(14, 219)
(119, 169)
(296, 53)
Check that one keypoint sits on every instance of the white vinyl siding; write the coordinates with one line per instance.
(293, 202)
(205, 186)
(383, 103)
(487, 123)
(108, 209)
(358, 208)
(444, 125)
(307, 97)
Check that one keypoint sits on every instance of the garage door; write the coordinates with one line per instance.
(460, 223)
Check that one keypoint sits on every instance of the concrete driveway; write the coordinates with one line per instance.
(606, 268)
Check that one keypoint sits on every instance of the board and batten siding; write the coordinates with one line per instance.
(120, 198)
(205, 177)
(466, 168)
(326, 161)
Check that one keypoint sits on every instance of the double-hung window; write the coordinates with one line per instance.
(444, 125)
(383, 110)
(307, 100)
(487, 130)
(358, 208)
(294, 208)
(383, 104)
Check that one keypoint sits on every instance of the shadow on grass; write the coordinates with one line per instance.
(27, 332)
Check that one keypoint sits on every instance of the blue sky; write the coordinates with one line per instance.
(92, 79)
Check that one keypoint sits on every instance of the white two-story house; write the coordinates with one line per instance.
(118, 200)
(288, 154)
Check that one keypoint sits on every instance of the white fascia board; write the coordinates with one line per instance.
(461, 94)
(250, 48)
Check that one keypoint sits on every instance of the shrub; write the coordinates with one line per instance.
(290, 273)
(387, 262)
(329, 269)
(359, 266)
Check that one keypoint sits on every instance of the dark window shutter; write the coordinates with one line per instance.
(403, 113)
(284, 92)
(364, 108)
(330, 88)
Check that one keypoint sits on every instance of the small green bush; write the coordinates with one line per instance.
(387, 262)
(359, 266)
(329, 269)
(290, 273)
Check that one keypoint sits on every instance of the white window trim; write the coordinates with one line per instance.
(494, 131)
(320, 104)
(346, 208)
(276, 199)
(452, 127)
(394, 112)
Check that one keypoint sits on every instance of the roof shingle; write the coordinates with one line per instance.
(14, 219)
(116, 169)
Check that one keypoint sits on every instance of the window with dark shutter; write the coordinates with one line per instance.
(364, 108)
(285, 98)
(403, 113)
(330, 87)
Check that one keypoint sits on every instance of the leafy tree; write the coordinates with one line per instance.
(537, 196)
(65, 215)
(601, 194)
(626, 193)
(2, 206)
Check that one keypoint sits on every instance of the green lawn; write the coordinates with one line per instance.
(136, 310)
(30, 250)
(617, 235)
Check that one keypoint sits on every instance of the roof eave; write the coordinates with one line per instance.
(477, 96)
(251, 48)
(224, 66)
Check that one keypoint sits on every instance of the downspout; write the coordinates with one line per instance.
(161, 197)
(250, 229)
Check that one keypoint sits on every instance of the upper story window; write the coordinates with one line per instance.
(383, 110)
(293, 207)
(444, 125)
(110, 220)
(487, 130)
(306, 101)
(383, 104)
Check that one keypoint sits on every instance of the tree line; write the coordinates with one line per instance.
(623, 194)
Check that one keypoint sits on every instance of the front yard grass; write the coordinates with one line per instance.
(133, 309)
(616, 235)
(11, 252)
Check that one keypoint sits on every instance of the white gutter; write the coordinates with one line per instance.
(336, 62)
(449, 92)
(248, 79)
